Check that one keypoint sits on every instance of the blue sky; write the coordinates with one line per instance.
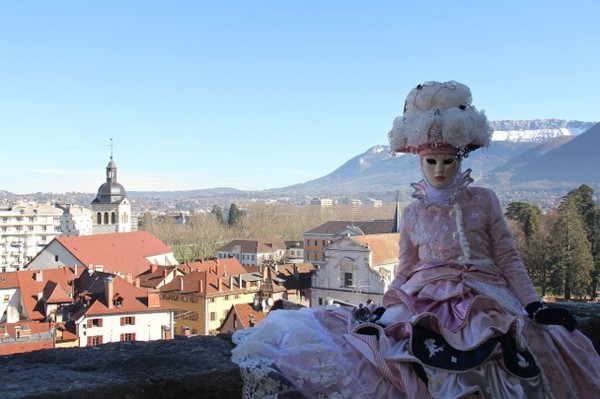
(263, 94)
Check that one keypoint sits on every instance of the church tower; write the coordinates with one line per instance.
(111, 210)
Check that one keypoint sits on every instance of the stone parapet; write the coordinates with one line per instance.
(183, 368)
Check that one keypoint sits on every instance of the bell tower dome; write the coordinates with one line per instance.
(111, 209)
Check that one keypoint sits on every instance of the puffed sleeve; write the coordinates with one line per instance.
(408, 256)
(506, 256)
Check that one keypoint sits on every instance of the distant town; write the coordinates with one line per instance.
(74, 276)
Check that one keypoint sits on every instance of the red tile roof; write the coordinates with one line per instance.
(288, 269)
(223, 267)
(9, 280)
(255, 246)
(384, 247)
(54, 284)
(93, 285)
(154, 276)
(204, 284)
(117, 252)
(245, 310)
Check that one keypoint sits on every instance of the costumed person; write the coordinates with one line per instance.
(461, 318)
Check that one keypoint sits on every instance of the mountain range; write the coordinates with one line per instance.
(543, 157)
(548, 155)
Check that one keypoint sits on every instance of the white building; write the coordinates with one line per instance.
(322, 202)
(253, 252)
(27, 226)
(75, 221)
(109, 309)
(356, 269)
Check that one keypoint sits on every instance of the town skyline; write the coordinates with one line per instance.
(260, 95)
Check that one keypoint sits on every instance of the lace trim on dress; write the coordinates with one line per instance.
(425, 192)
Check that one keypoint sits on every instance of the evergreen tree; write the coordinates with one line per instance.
(526, 214)
(572, 261)
(583, 198)
(234, 215)
(218, 212)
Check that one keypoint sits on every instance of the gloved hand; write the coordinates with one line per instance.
(545, 315)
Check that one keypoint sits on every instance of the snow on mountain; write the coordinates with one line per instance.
(538, 130)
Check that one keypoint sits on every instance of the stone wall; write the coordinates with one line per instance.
(197, 367)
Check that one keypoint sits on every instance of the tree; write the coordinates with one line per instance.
(526, 214)
(570, 251)
(234, 215)
(583, 198)
(218, 212)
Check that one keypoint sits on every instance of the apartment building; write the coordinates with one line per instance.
(28, 226)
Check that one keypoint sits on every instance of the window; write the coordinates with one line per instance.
(6, 298)
(113, 218)
(316, 255)
(94, 323)
(56, 258)
(320, 301)
(213, 316)
(307, 255)
(347, 279)
(194, 300)
(95, 340)
(226, 297)
(183, 298)
(315, 243)
(127, 321)
(128, 337)
(98, 218)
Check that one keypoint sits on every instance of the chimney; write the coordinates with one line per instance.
(230, 282)
(220, 284)
(181, 284)
(200, 285)
(153, 268)
(109, 291)
(39, 276)
(76, 270)
(136, 282)
(165, 272)
(240, 281)
(129, 278)
(153, 298)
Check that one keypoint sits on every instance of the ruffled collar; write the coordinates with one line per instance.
(441, 197)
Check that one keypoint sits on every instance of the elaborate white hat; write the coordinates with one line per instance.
(440, 116)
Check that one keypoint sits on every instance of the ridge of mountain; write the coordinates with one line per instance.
(576, 160)
(534, 155)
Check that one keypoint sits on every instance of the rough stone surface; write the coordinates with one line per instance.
(198, 367)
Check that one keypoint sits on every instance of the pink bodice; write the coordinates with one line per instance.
(472, 236)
